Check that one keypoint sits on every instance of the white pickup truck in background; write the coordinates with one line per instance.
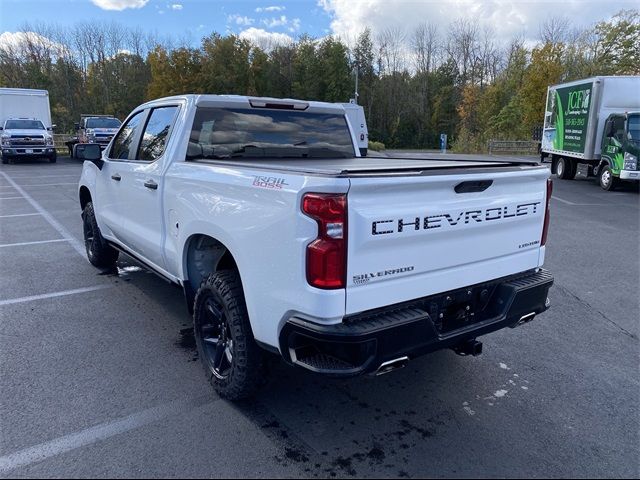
(285, 240)
(26, 131)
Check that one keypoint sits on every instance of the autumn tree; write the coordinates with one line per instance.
(225, 65)
(618, 44)
(457, 79)
(175, 72)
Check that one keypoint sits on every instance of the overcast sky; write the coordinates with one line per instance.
(189, 20)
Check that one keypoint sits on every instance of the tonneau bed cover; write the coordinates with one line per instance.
(365, 166)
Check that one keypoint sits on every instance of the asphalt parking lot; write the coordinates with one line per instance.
(99, 375)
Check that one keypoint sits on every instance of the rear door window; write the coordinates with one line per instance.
(156, 133)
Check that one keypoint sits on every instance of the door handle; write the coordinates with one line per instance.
(116, 177)
(151, 184)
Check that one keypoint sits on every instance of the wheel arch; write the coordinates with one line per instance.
(202, 255)
(84, 196)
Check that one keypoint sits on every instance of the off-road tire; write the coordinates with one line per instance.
(99, 252)
(247, 369)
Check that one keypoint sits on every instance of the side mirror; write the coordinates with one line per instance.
(77, 126)
(610, 129)
(90, 152)
(1, 128)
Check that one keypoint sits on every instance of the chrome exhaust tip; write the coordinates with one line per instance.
(524, 319)
(391, 365)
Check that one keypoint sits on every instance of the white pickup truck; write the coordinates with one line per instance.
(286, 241)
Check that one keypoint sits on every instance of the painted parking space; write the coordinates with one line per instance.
(99, 372)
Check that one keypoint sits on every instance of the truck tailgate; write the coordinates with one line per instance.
(414, 236)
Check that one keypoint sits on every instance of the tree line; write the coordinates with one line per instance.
(413, 85)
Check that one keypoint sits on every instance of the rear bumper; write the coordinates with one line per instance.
(630, 174)
(361, 343)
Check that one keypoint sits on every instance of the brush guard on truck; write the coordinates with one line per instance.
(380, 340)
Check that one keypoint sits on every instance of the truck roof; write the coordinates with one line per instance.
(22, 91)
(591, 79)
(82, 116)
(244, 101)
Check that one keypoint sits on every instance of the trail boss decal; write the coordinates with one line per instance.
(365, 277)
(273, 183)
(383, 227)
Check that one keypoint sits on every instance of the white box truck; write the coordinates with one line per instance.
(25, 124)
(594, 122)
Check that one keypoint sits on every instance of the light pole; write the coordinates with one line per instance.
(355, 98)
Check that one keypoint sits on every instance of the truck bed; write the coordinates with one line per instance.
(376, 166)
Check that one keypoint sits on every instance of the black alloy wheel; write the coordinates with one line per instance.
(233, 362)
(89, 235)
(99, 252)
(217, 343)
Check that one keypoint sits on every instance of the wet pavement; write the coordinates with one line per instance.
(99, 375)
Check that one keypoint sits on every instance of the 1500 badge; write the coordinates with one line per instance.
(365, 277)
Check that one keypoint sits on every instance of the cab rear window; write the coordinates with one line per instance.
(248, 133)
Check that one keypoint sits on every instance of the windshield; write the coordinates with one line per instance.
(102, 123)
(633, 126)
(23, 125)
(243, 133)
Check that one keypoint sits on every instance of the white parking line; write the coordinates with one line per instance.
(10, 198)
(15, 174)
(47, 184)
(64, 444)
(553, 197)
(46, 176)
(561, 200)
(31, 298)
(19, 215)
(52, 221)
(33, 243)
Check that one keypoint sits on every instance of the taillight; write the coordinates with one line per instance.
(327, 254)
(545, 229)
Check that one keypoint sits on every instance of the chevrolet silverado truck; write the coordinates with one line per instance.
(22, 138)
(25, 125)
(285, 240)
